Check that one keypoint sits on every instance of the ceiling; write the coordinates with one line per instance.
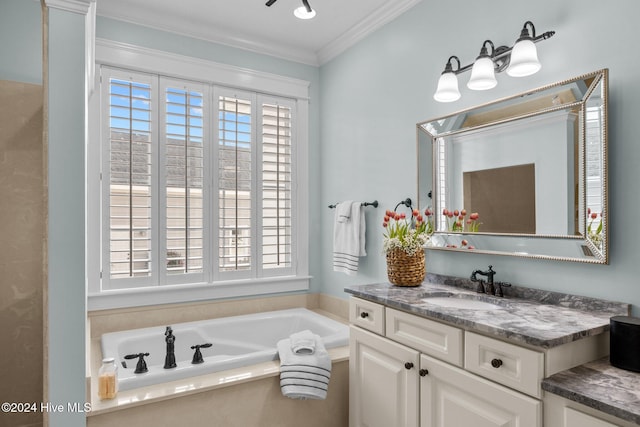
(250, 25)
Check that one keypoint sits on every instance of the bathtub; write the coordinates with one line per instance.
(237, 341)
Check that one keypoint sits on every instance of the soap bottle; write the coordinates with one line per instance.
(108, 379)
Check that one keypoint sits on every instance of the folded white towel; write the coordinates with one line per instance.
(304, 376)
(343, 211)
(303, 342)
(349, 240)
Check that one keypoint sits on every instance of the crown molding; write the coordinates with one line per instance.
(75, 6)
(223, 37)
(371, 23)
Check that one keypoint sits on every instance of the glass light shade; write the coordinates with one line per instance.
(447, 90)
(482, 75)
(524, 59)
(302, 13)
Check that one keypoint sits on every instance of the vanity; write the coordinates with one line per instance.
(476, 360)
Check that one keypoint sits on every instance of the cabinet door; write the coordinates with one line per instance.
(451, 397)
(383, 382)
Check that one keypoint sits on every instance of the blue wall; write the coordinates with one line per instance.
(375, 93)
(20, 41)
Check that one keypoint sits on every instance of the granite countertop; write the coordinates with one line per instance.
(539, 318)
(601, 386)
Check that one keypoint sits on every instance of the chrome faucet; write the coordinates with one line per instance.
(489, 288)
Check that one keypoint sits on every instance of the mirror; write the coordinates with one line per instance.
(523, 176)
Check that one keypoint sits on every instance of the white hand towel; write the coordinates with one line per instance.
(343, 211)
(303, 342)
(304, 376)
(349, 240)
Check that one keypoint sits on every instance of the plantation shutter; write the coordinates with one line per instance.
(277, 184)
(235, 188)
(129, 177)
(184, 178)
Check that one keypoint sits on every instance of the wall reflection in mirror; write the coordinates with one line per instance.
(524, 175)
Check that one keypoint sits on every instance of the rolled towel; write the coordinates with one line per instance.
(303, 342)
(304, 376)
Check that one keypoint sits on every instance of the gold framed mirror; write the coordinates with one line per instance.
(531, 168)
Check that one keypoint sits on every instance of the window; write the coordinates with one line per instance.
(197, 182)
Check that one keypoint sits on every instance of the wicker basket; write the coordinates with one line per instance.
(405, 270)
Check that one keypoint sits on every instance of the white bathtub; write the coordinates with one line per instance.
(237, 341)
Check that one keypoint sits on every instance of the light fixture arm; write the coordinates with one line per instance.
(449, 68)
(502, 51)
(309, 10)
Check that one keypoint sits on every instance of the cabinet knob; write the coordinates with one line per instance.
(496, 363)
(408, 365)
(364, 314)
(423, 372)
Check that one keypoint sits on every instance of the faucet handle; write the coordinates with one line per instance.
(499, 286)
(197, 356)
(480, 288)
(141, 366)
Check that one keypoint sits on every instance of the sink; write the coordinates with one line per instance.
(462, 303)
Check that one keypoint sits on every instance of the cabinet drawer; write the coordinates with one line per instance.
(433, 338)
(516, 367)
(367, 315)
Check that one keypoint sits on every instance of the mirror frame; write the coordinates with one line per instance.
(510, 242)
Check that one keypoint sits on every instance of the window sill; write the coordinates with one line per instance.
(169, 294)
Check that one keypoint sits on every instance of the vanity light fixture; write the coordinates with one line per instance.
(303, 12)
(519, 60)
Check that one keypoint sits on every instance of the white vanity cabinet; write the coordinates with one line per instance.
(413, 374)
(383, 382)
(561, 412)
(453, 397)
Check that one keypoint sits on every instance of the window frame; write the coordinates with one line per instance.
(215, 78)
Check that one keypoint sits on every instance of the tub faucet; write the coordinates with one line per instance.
(489, 288)
(170, 358)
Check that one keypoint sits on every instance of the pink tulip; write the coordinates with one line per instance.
(471, 247)
(463, 212)
(419, 218)
(402, 215)
(588, 211)
(464, 242)
(386, 218)
(450, 214)
(427, 212)
(456, 213)
(385, 224)
(445, 212)
(461, 217)
(415, 212)
(474, 216)
(594, 215)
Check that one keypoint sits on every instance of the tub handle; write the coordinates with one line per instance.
(197, 355)
(141, 367)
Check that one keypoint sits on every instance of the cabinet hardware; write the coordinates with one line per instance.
(364, 314)
(496, 363)
(423, 372)
(408, 365)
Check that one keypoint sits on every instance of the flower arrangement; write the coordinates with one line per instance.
(456, 220)
(594, 235)
(408, 235)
